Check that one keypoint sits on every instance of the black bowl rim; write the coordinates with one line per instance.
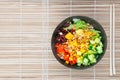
(74, 66)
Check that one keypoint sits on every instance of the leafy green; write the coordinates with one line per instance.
(95, 31)
(75, 20)
(80, 24)
(69, 27)
(97, 34)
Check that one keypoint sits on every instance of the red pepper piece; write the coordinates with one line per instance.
(66, 57)
(72, 60)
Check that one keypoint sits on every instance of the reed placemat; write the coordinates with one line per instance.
(26, 28)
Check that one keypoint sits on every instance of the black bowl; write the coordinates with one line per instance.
(96, 26)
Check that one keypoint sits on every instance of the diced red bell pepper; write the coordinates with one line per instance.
(66, 48)
(60, 50)
(72, 60)
(57, 45)
(66, 57)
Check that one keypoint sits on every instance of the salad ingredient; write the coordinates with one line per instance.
(69, 36)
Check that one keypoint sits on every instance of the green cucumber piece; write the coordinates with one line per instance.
(99, 49)
(85, 62)
(101, 44)
(92, 58)
(78, 64)
(97, 40)
(92, 42)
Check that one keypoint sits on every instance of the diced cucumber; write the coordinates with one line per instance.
(78, 64)
(92, 58)
(97, 40)
(79, 53)
(101, 44)
(85, 62)
(99, 49)
(93, 61)
(80, 60)
(92, 42)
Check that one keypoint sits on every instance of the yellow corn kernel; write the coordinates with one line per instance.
(69, 36)
(82, 45)
(86, 46)
(79, 32)
(79, 53)
(67, 62)
(82, 50)
(74, 43)
(95, 45)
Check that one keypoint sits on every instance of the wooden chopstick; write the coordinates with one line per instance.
(114, 70)
(111, 63)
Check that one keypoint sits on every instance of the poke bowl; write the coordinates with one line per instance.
(79, 42)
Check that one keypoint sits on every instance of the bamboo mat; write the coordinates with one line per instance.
(26, 27)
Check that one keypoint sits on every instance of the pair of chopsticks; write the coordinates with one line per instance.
(112, 40)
